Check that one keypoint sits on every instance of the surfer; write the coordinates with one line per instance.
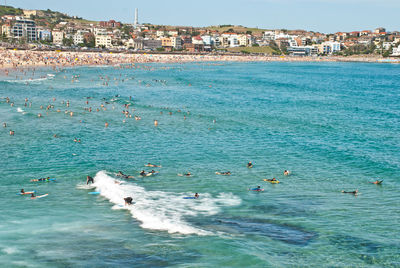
(151, 165)
(142, 173)
(120, 174)
(250, 165)
(225, 173)
(273, 179)
(4, 124)
(89, 179)
(196, 195)
(286, 172)
(128, 200)
(188, 174)
(22, 191)
(352, 192)
(377, 182)
(33, 196)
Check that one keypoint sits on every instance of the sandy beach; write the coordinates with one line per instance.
(26, 58)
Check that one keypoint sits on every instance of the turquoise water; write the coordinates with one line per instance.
(335, 126)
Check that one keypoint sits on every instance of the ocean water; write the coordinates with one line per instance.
(335, 126)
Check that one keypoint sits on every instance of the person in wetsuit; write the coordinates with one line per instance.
(128, 200)
(89, 179)
(352, 192)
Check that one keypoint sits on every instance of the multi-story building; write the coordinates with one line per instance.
(244, 40)
(110, 24)
(396, 51)
(103, 41)
(29, 13)
(58, 37)
(24, 28)
(176, 42)
(303, 50)
(329, 47)
(79, 37)
(43, 34)
(5, 30)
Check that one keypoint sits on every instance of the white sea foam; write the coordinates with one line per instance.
(158, 210)
(20, 110)
(10, 250)
(24, 81)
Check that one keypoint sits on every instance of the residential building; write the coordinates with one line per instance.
(6, 30)
(43, 34)
(24, 28)
(79, 37)
(329, 47)
(160, 33)
(396, 51)
(103, 41)
(176, 42)
(244, 40)
(58, 37)
(29, 13)
(110, 24)
(379, 30)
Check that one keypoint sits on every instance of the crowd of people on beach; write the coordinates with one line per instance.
(29, 58)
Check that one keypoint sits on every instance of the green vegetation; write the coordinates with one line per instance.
(7, 10)
(257, 50)
(359, 49)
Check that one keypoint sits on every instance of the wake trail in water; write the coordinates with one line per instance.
(158, 210)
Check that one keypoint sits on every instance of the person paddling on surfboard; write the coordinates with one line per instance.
(196, 195)
(89, 179)
(352, 192)
(377, 182)
(22, 191)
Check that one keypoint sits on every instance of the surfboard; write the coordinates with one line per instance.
(94, 193)
(256, 190)
(189, 197)
(40, 196)
(30, 192)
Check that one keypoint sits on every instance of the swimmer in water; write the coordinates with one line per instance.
(286, 173)
(352, 192)
(377, 182)
(89, 179)
(250, 165)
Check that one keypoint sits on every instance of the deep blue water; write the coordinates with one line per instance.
(335, 126)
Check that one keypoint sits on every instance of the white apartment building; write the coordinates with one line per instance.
(78, 37)
(396, 51)
(160, 33)
(58, 37)
(244, 40)
(103, 41)
(176, 42)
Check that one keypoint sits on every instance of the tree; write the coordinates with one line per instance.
(89, 40)
(68, 42)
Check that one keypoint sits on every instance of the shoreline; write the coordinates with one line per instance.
(12, 59)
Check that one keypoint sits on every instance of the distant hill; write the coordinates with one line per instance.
(44, 17)
(8, 10)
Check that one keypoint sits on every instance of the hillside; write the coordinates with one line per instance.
(8, 10)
